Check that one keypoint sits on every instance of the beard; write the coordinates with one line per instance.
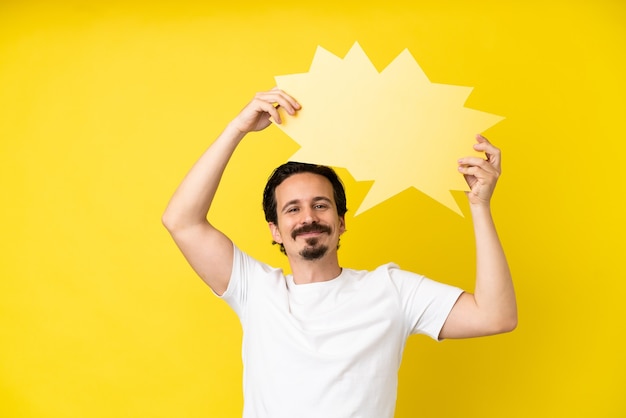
(312, 251)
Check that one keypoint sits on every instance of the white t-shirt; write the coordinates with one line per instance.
(329, 349)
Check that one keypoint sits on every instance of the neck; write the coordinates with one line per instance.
(311, 271)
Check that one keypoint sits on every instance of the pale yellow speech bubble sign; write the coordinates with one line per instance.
(394, 127)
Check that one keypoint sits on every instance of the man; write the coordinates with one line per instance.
(327, 341)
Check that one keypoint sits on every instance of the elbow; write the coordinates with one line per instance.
(511, 318)
(509, 325)
(167, 221)
(170, 221)
(503, 317)
(506, 323)
(498, 323)
(179, 222)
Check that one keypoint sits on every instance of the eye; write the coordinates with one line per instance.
(321, 206)
(292, 209)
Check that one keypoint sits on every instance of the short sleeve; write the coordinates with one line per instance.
(237, 291)
(245, 270)
(426, 303)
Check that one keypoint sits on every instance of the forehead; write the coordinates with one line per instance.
(304, 186)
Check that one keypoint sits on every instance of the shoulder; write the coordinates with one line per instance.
(409, 284)
(248, 272)
(250, 278)
(382, 270)
(388, 275)
(396, 275)
(243, 262)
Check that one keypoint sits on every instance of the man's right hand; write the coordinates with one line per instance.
(256, 115)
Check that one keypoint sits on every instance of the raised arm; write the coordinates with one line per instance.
(209, 251)
(492, 309)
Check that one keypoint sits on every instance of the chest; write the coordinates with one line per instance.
(337, 322)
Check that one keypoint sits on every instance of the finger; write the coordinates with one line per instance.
(481, 138)
(289, 99)
(478, 167)
(262, 104)
(476, 161)
(479, 174)
(274, 114)
(484, 145)
(279, 98)
(470, 170)
(487, 148)
(492, 152)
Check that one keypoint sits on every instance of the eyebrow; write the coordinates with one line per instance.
(314, 200)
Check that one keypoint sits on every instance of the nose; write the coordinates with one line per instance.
(309, 216)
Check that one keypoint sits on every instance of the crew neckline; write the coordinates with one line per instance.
(292, 284)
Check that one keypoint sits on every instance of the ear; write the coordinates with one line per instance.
(342, 225)
(275, 232)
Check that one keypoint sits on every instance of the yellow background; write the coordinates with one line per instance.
(104, 106)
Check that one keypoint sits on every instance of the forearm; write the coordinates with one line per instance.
(192, 199)
(494, 292)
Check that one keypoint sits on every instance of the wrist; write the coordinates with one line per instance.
(480, 206)
(233, 132)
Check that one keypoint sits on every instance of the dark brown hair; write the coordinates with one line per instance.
(290, 168)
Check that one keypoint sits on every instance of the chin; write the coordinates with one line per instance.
(314, 253)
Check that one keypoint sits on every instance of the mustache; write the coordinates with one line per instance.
(310, 228)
